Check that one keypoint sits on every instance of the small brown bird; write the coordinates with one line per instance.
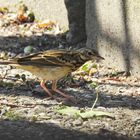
(52, 65)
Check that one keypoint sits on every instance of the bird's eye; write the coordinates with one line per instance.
(89, 53)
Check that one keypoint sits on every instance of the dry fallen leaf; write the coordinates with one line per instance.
(47, 24)
(24, 15)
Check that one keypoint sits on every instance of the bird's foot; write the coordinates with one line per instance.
(63, 100)
(66, 97)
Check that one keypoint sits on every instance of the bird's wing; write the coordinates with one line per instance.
(47, 58)
(52, 58)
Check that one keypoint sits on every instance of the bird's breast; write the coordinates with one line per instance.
(49, 72)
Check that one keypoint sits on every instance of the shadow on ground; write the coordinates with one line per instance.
(24, 130)
(83, 95)
(15, 44)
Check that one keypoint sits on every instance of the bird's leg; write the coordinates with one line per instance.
(54, 88)
(42, 84)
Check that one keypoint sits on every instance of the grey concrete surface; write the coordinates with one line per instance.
(113, 27)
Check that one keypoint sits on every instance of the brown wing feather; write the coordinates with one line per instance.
(47, 58)
(50, 58)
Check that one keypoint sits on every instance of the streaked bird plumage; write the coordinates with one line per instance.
(53, 64)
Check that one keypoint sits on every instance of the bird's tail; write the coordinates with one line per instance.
(8, 62)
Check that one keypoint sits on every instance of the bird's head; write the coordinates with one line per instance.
(89, 54)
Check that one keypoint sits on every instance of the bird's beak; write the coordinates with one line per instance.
(99, 58)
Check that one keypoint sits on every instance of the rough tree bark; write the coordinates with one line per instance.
(76, 16)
